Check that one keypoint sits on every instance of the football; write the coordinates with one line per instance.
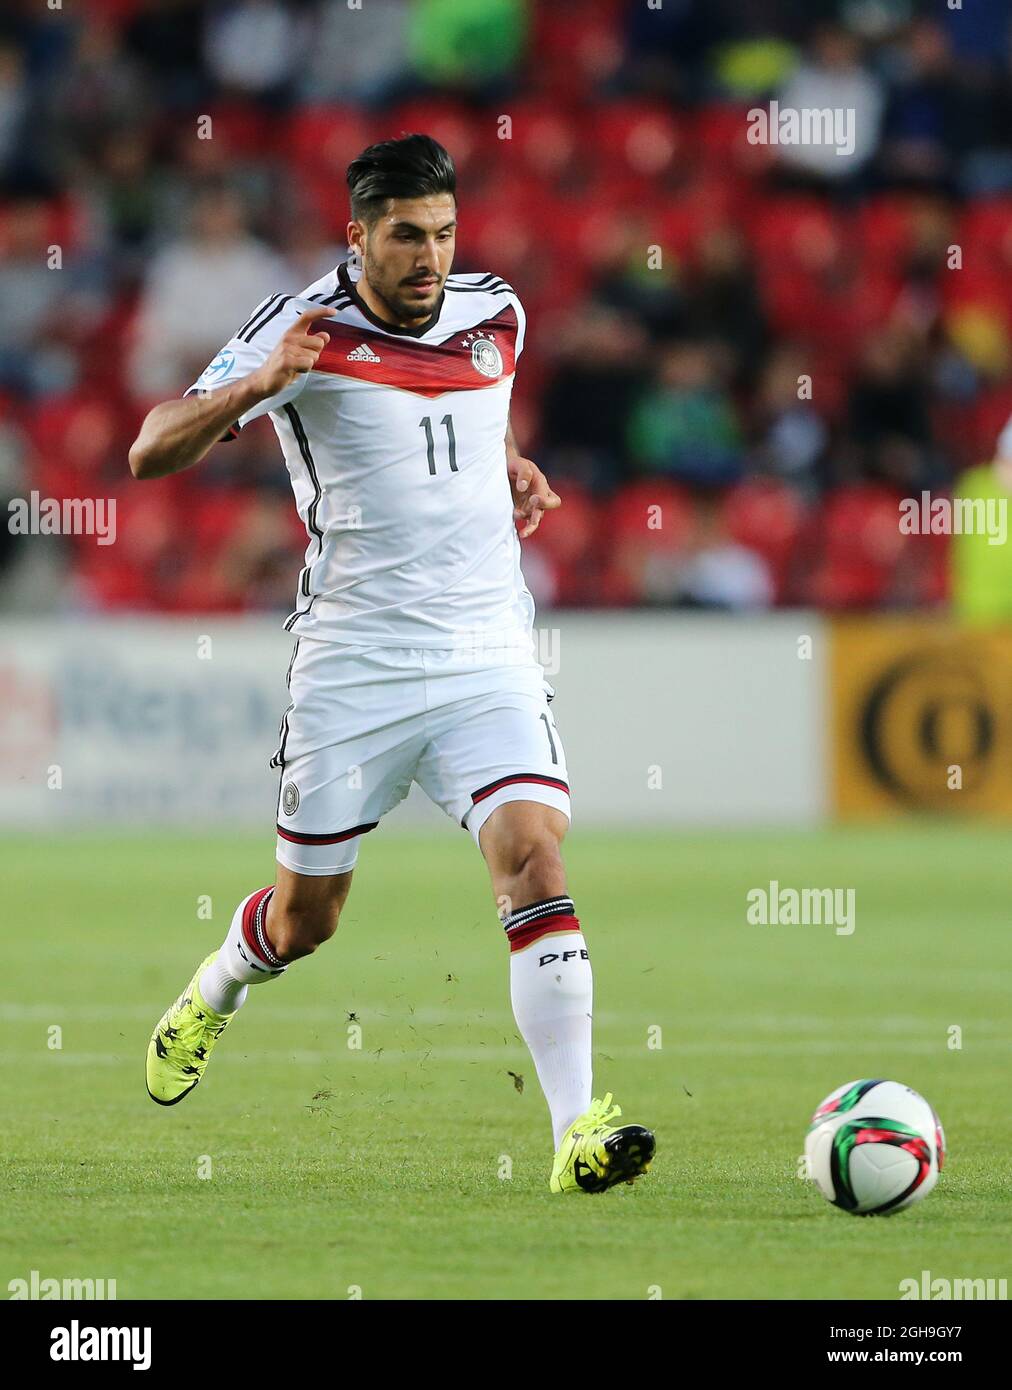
(874, 1147)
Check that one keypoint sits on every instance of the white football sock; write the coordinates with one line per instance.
(239, 963)
(219, 990)
(552, 991)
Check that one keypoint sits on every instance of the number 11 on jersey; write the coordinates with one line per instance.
(425, 423)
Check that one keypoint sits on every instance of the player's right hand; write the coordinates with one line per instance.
(293, 354)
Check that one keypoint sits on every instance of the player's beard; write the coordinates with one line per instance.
(399, 307)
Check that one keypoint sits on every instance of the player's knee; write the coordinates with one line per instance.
(297, 931)
(536, 868)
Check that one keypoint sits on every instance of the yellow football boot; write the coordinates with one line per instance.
(594, 1154)
(181, 1044)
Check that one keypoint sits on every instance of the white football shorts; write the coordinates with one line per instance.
(473, 729)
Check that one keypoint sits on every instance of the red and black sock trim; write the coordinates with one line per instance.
(297, 838)
(549, 917)
(254, 930)
(538, 778)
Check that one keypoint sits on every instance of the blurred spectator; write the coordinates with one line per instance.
(685, 425)
(637, 289)
(932, 117)
(100, 90)
(357, 55)
(889, 409)
(979, 332)
(13, 484)
(166, 35)
(667, 47)
(718, 572)
(14, 104)
(193, 293)
(833, 77)
(466, 45)
(34, 359)
(791, 435)
(127, 199)
(649, 530)
(255, 46)
(722, 300)
(309, 251)
(601, 359)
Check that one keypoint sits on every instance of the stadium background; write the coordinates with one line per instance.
(649, 387)
(674, 385)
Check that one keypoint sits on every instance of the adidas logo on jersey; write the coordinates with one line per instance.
(363, 353)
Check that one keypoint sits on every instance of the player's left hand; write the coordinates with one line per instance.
(532, 495)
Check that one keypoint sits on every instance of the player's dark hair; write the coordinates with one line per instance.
(412, 167)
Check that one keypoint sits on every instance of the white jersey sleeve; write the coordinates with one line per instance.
(521, 314)
(249, 348)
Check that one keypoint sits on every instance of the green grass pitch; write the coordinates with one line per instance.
(383, 1169)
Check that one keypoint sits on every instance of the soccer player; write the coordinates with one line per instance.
(388, 384)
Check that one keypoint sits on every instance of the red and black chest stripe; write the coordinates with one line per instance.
(469, 360)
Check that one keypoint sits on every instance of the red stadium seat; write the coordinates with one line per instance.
(986, 232)
(565, 545)
(586, 229)
(497, 237)
(140, 571)
(719, 141)
(546, 141)
(638, 140)
(860, 546)
(573, 45)
(571, 532)
(767, 517)
(215, 519)
(325, 139)
(702, 206)
(77, 446)
(885, 231)
(61, 222)
(652, 512)
(982, 285)
(851, 305)
(986, 420)
(651, 517)
(245, 129)
(446, 121)
(114, 11)
(796, 231)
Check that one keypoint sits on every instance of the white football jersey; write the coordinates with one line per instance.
(395, 444)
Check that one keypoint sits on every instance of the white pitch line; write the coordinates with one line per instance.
(381, 1015)
(495, 1052)
(384, 1015)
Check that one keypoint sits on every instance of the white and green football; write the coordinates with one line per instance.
(874, 1147)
